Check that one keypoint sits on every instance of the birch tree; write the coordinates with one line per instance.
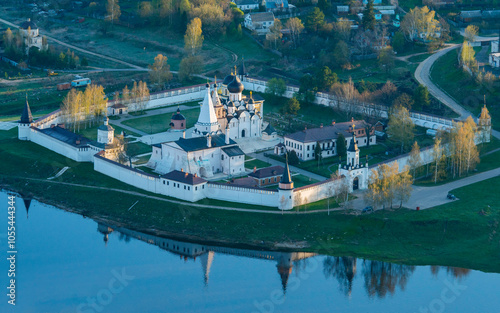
(414, 159)
(296, 27)
(403, 186)
(193, 39)
(160, 71)
(113, 10)
(401, 128)
(437, 157)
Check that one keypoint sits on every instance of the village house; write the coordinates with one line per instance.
(259, 22)
(247, 5)
(494, 60)
(304, 142)
(267, 176)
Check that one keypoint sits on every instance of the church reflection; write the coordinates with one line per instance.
(380, 279)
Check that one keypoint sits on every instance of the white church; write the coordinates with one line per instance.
(212, 149)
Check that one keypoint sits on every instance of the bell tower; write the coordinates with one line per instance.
(353, 150)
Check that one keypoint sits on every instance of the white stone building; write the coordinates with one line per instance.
(31, 35)
(304, 142)
(247, 5)
(259, 22)
(494, 60)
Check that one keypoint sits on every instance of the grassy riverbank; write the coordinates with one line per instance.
(454, 235)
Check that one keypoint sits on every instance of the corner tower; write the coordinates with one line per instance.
(285, 189)
(25, 122)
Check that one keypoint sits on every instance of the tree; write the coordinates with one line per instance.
(276, 87)
(142, 95)
(326, 78)
(404, 100)
(419, 23)
(383, 185)
(293, 159)
(275, 33)
(403, 186)
(189, 66)
(341, 146)
(318, 153)
(347, 97)
(160, 71)
(421, 96)
(467, 58)
(323, 5)
(113, 10)
(342, 54)
(193, 39)
(315, 20)
(212, 18)
(185, 6)
(290, 109)
(368, 20)
(343, 28)
(145, 9)
(342, 190)
(125, 95)
(386, 59)
(398, 42)
(414, 159)
(471, 32)
(84, 62)
(400, 127)
(8, 38)
(296, 27)
(438, 158)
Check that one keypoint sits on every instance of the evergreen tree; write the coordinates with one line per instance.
(341, 146)
(315, 20)
(421, 97)
(368, 20)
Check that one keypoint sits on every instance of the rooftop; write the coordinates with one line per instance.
(262, 16)
(200, 143)
(268, 172)
(184, 177)
(66, 136)
(327, 132)
(233, 151)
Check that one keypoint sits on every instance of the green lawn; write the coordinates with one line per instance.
(256, 163)
(447, 75)
(160, 123)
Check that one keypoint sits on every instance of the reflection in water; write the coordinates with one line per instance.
(382, 277)
(343, 269)
(188, 250)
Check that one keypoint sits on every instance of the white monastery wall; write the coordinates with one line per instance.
(315, 192)
(69, 151)
(256, 196)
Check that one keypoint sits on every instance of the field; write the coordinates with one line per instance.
(447, 75)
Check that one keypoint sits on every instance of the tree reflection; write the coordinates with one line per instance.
(457, 272)
(343, 269)
(382, 278)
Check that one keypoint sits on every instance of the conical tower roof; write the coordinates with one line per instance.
(206, 264)
(215, 95)
(287, 178)
(26, 116)
(207, 115)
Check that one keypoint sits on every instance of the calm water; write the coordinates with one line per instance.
(65, 262)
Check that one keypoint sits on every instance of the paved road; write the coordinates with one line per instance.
(81, 49)
(273, 162)
(422, 74)
(428, 197)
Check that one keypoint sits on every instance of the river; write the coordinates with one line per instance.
(68, 263)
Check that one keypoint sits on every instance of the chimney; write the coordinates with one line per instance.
(195, 175)
(186, 175)
(184, 134)
(255, 169)
(52, 125)
(182, 170)
(226, 137)
(333, 122)
(209, 141)
(321, 125)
